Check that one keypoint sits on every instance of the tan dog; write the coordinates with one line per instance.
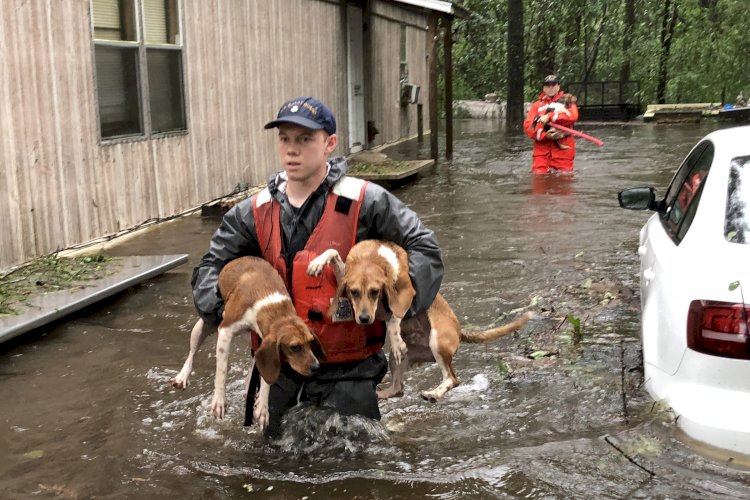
(375, 278)
(560, 106)
(383, 278)
(256, 299)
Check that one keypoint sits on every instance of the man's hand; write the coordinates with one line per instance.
(544, 119)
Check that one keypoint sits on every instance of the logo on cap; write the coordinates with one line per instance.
(306, 112)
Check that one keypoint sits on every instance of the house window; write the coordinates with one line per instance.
(139, 75)
(404, 66)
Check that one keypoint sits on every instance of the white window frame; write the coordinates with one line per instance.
(143, 96)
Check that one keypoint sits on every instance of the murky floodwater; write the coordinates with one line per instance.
(87, 410)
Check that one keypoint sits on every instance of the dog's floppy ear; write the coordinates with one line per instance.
(268, 361)
(317, 347)
(399, 298)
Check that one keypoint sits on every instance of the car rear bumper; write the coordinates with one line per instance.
(711, 397)
(732, 441)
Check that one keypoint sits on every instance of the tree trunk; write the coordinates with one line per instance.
(541, 38)
(668, 22)
(544, 51)
(627, 39)
(531, 14)
(595, 49)
(514, 115)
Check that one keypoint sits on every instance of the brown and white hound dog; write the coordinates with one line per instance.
(255, 299)
(375, 278)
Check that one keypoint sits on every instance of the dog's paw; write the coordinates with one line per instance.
(389, 393)
(315, 268)
(529, 315)
(398, 348)
(431, 396)
(179, 382)
(261, 415)
(218, 406)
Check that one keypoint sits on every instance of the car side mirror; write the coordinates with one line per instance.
(638, 198)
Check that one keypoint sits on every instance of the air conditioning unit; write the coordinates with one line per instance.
(414, 94)
(409, 93)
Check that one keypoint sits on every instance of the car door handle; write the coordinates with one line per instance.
(642, 250)
(648, 275)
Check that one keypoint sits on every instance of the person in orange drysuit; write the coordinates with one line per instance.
(553, 149)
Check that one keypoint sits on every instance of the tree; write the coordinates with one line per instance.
(479, 56)
(543, 32)
(590, 62)
(514, 112)
(678, 50)
(627, 39)
(668, 22)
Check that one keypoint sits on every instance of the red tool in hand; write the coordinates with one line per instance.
(576, 133)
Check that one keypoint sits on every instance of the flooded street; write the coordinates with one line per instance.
(547, 412)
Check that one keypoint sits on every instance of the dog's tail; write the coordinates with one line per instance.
(478, 337)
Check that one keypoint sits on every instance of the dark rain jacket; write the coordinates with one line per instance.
(383, 216)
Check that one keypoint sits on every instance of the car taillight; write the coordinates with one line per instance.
(718, 328)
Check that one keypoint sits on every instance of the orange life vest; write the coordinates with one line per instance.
(343, 339)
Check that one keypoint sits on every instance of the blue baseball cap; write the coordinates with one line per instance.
(307, 112)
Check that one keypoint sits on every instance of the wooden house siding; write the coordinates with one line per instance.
(62, 186)
(48, 145)
(393, 120)
(239, 76)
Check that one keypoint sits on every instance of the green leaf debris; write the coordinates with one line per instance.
(48, 274)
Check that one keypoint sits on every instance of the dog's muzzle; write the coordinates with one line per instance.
(364, 319)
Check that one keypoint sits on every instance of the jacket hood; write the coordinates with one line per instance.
(337, 168)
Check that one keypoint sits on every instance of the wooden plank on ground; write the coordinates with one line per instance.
(413, 167)
(46, 308)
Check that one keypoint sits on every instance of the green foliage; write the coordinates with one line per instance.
(734, 286)
(387, 166)
(539, 354)
(48, 274)
(577, 328)
(502, 367)
(479, 58)
(707, 60)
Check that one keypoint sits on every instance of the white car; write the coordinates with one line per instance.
(695, 290)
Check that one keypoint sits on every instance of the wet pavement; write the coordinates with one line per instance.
(549, 412)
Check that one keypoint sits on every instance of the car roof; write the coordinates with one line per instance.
(734, 141)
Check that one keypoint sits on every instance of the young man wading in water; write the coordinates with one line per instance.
(307, 208)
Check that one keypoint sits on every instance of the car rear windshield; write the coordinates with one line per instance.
(737, 221)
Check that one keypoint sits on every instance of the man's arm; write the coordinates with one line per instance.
(531, 125)
(235, 237)
(383, 216)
